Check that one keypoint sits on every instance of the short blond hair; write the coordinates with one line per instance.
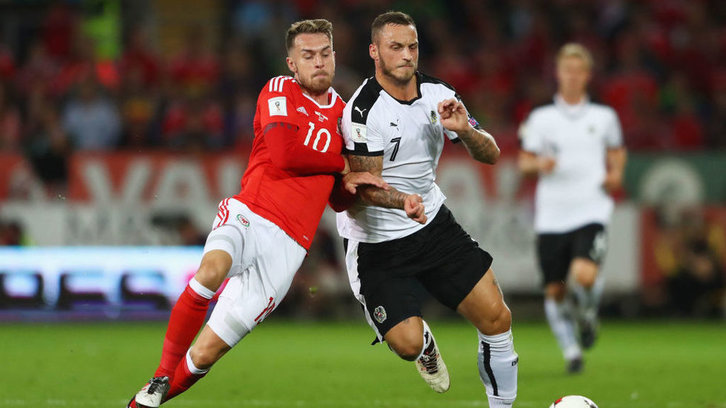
(575, 50)
(317, 26)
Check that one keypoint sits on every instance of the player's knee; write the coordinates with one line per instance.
(214, 269)
(586, 280)
(407, 344)
(499, 321)
(585, 272)
(556, 291)
(408, 351)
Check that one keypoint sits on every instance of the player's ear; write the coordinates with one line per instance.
(291, 65)
(373, 52)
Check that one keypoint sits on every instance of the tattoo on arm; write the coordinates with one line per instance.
(481, 146)
(372, 195)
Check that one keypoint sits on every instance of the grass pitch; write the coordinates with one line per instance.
(293, 364)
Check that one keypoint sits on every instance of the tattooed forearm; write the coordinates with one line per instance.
(372, 195)
(481, 145)
(371, 164)
(390, 198)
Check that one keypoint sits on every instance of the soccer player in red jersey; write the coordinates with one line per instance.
(261, 235)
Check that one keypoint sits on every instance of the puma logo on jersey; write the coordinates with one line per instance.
(394, 124)
(360, 111)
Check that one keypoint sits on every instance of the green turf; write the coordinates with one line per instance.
(291, 364)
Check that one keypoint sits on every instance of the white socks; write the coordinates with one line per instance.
(498, 364)
(588, 300)
(427, 338)
(559, 316)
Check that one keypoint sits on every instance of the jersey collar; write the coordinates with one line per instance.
(572, 111)
(408, 102)
(332, 96)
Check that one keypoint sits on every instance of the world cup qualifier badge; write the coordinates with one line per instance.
(380, 314)
(242, 220)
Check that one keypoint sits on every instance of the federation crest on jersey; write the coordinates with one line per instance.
(432, 117)
(278, 106)
(358, 133)
(380, 314)
(242, 220)
(321, 117)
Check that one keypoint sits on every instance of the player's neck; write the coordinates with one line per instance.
(401, 91)
(572, 98)
(321, 98)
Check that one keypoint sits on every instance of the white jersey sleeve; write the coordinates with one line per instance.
(530, 134)
(614, 134)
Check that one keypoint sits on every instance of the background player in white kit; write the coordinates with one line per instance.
(575, 147)
(395, 125)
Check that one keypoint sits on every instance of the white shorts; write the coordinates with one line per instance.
(264, 262)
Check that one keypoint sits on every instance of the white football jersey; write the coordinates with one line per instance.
(410, 137)
(577, 137)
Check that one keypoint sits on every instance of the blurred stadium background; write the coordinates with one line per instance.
(123, 123)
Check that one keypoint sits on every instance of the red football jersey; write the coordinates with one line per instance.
(295, 154)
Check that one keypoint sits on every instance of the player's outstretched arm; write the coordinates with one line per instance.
(531, 164)
(480, 144)
(616, 158)
(344, 191)
(390, 198)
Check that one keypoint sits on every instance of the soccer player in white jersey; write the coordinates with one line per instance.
(395, 125)
(575, 148)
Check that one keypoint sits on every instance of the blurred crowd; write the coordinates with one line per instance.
(660, 63)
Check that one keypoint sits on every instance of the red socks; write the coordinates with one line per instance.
(186, 319)
(184, 378)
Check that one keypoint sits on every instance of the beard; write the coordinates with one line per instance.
(402, 77)
(316, 84)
